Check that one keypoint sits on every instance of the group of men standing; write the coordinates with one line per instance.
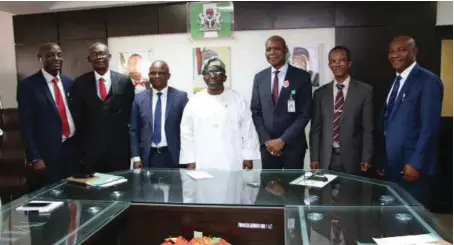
(97, 123)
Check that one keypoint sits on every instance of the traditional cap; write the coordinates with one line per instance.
(213, 61)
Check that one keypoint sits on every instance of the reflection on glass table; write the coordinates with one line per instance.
(72, 223)
(251, 188)
(316, 225)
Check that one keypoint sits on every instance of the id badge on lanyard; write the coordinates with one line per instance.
(291, 106)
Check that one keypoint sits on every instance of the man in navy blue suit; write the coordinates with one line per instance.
(46, 123)
(155, 122)
(411, 120)
(281, 109)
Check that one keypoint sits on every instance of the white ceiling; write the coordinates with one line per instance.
(32, 7)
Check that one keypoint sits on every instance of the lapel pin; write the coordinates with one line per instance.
(403, 97)
(286, 84)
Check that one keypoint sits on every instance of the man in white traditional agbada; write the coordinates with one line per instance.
(217, 131)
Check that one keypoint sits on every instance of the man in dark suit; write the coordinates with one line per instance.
(155, 122)
(281, 109)
(46, 123)
(410, 121)
(342, 126)
(102, 101)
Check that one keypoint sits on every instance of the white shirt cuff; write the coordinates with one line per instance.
(136, 159)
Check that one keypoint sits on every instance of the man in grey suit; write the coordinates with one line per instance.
(281, 105)
(342, 120)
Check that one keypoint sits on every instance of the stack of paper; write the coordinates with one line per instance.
(100, 180)
(199, 174)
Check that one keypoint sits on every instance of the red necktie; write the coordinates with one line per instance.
(102, 89)
(338, 106)
(276, 87)
(61, 108)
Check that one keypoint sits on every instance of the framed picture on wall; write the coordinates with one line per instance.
(200, 55)
(307, 57)
(208, 20)
(135, 64)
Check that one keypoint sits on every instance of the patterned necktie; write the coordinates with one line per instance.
(102, 89)
(157, 121)
(276, 87)
(338, 106)
(61, 108)
(392, 97)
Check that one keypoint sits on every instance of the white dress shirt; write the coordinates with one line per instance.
(344, 90)
(163, 142)
(404, 76)
(281, 76)
(50, 84)
(107, 82)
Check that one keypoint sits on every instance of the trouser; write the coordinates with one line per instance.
(335, 163)
(66, 165)
(284, 161)
(160, 158)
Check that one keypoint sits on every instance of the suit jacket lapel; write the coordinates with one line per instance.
(284, 95)
(330, 102)
(169, 101)
(349, 99)
(45, 88)
(266, 89)
(404, 90)
(114, 85)
(149, 107)
(66, 86)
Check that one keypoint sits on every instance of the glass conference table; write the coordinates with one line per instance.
(243, 207)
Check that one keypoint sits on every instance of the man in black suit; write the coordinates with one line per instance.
(281, 109)
(46, 123)
(102, 102)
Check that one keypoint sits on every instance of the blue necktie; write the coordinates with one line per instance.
(392, 97)
(157, 121)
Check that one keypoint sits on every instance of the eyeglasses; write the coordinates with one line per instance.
(214, 74)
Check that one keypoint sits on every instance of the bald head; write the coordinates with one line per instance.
(51, 57)
(159, 74)
(402, 52)
(160, 64)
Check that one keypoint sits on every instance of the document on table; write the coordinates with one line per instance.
(199, 174)
(313, 183)
(406, 240)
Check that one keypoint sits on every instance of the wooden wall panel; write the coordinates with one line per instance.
(370, 13)
(173, 18)
(132, 20)
(82, 24)
(36, 28)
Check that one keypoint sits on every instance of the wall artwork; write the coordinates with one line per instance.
(200, 55)
(136, 65)
(307, 57)
(210, 20)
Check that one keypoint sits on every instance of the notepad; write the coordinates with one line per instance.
(199, 175)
